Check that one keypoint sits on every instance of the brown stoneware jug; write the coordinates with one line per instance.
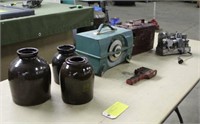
(29, 78)
(76, 80)
(64, 51)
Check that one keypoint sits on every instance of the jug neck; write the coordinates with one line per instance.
(66, 49)
(28, 52)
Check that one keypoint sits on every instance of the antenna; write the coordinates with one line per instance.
(154, 10)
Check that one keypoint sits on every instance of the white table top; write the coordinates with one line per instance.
(149, 100)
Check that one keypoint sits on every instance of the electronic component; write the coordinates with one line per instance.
(173, 43)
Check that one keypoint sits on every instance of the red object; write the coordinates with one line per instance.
(141, 73)
(155, 23)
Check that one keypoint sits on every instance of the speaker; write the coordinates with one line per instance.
(105, 47)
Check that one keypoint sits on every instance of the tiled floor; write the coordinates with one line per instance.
(172, 16)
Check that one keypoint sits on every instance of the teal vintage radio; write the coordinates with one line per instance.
(105, 47)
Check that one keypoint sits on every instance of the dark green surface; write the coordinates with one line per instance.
(49, 19)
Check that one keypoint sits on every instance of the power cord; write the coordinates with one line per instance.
(15, 3)
(180, 60)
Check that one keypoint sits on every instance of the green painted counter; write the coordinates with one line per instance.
(49, 19)
(49, 27)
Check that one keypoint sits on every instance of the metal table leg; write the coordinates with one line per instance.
(179, 115)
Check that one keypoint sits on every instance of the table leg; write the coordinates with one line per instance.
(198, 3)
(179, 115)
(176, 109)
